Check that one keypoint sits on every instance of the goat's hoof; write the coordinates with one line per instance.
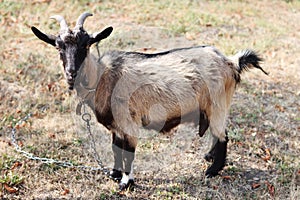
(125, 186)
(209, 157)
(115, 175)
(211, 173)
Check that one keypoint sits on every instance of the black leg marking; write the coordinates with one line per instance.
(220, 151)
(115, 174)
(210, 156)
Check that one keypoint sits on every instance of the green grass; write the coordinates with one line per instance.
(11, 179)
(236, 135)
(8, 176)
(7, 162)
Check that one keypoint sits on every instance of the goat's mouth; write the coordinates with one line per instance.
(71, 82)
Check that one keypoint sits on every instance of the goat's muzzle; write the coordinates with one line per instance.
(71, 79)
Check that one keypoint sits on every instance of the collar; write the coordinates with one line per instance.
(86, 96)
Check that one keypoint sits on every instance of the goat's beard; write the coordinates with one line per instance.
(71, 87)
(71, 84)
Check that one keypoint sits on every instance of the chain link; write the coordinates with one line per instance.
(87, 118)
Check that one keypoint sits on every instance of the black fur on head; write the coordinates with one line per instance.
(73, 45)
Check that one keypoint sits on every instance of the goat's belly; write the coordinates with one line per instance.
(168, 123)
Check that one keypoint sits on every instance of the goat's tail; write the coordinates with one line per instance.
(247, 59)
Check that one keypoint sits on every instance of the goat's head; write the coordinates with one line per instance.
(73, 45)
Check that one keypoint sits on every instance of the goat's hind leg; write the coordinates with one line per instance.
(209, 157)
(203, 126)
(218, 154)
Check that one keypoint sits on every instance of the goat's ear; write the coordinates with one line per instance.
(100, 36)
(50, 39)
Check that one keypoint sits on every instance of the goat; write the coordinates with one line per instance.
(130, 90)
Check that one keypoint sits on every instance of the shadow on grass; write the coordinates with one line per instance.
(246, 183)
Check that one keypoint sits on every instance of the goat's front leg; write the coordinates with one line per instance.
(117, 148)
(130, 143)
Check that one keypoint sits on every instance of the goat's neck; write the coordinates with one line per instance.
(87, 79)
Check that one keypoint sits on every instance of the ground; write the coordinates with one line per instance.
(264, 122)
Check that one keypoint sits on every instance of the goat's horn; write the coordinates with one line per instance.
(62, 21)
(81, 19)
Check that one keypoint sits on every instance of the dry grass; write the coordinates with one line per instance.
(264, 123)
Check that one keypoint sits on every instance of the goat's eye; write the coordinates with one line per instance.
(60, 45)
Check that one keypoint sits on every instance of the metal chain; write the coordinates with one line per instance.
(87, 118)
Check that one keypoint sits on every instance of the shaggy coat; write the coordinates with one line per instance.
(129, 90)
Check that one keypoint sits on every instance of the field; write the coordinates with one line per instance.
(264, 124)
